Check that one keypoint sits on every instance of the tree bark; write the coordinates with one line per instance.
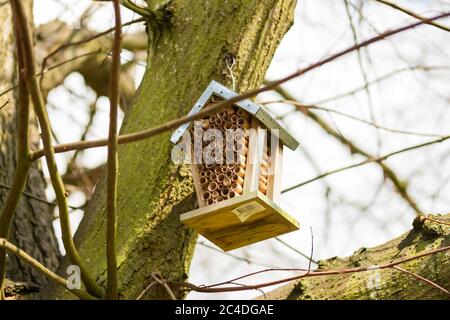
(387, 283)
(32, 228)
(190, 51)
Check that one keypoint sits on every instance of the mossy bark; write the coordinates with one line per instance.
(387, 283)
(189, 52)
(31, 229)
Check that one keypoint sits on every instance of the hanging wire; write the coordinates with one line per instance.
(230, 66)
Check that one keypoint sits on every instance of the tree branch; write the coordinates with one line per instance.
(20, 21)
(112, 165)
(414, 15)
(12, 249)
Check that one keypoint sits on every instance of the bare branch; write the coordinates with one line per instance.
(427, 281)
(369, 160)
(12, 249)
(112, 165)
(414, 15)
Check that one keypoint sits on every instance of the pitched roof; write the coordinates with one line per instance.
(254, 109)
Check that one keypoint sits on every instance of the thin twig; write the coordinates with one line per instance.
(158, 278)
(213, 288)
(233, 256)
(145, 290)
(387, 170)
(12, 249)
(20, 20)
(346, 115)
(431, 283)
(436, 221)
(32, 196)
(147, 133)
(296, 250)
(378, 80)
(414, 15)
(112, 165)
(55, 66)
(369, 160)
(312, 249)
(4, 105)
(85, 40)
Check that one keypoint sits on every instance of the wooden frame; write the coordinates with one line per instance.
(252, 213)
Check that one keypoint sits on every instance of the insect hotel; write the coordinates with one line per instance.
(235, 158)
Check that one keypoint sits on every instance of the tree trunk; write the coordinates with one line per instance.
(387, 283)
(191, 51)
(32, 228)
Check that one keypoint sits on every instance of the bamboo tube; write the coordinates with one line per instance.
(226, 118)
(209, 165)
(229, 173)
(264, 164)
(240, 159)
(214, 194)
(218, 158)
(208, 173)
(239, 171)
(226, 182)
(206, 195)
(221, 114)
(218, 122)
(205, 124)
(262, 187)
(218, 170)
(200, 167)
(203, 181)
(236, 178)
(241, 148)
(237, 188)
(224, 192)
(202, 173)
(234, 118)
(263, 172)
(228, 124)
(263, 179)
(212, 186)
(243, 123)
(212, 118)
(220, 178)
(210, 201)
(240, 138)
(231, 194)
(213, 176)
(243, 114)
(219, 198)
(230, 111)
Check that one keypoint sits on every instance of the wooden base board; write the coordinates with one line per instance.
(240, 221)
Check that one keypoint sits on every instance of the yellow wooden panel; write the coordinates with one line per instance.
(240, 221)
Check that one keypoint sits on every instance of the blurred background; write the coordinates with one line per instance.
(383, 98)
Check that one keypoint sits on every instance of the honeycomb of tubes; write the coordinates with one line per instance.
(220, 180)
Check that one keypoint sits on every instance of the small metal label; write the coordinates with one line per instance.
(245, 211)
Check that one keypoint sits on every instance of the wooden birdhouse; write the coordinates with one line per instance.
(235, 158)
